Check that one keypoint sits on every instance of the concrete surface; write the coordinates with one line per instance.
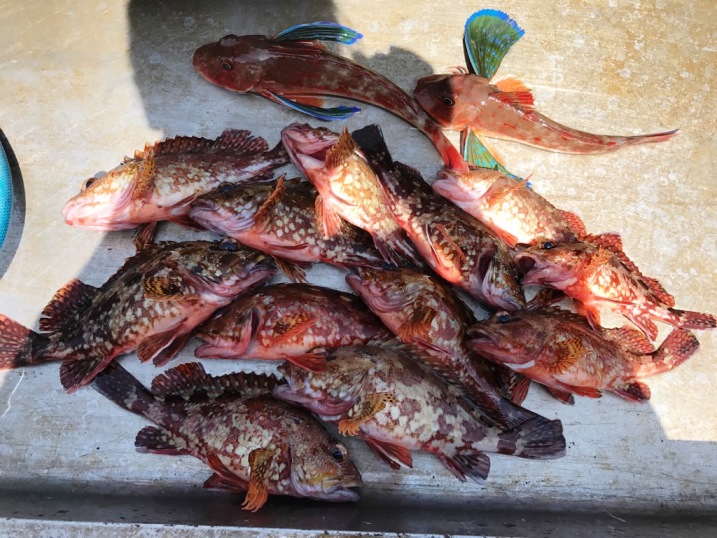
(84, 84)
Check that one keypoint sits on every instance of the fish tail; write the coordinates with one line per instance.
(119, 386)
(679, 346)
(652, 138)
(538, 438)
(450, 155)
(694, 320)
(19, 346)
(370, 140)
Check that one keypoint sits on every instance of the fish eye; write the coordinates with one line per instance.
(228, 245)
(548, 245)
(87, 184)
(447, 101)
(339, 452)
(226, 66)
(503, 317)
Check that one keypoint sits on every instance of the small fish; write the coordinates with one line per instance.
(254, 443)
(425, 313)
(561, 351)
(348, 189)
(396, 406)
(597, 273)
(160, 182)
(280, 219)
(294, 69)
(455, 245)
(505, 109)
(150, 305)
(289, 322)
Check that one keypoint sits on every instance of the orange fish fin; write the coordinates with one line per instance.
(392, 454)
(145, 235)
(328, 218)
(341, 151)
(313, 362)
(588, 392)
(363, 410)
(514, 93)
(154, 344)
(145, 178)
(161, 288)
(261, 462)
(631, 339)
(72, 298)
(171, 350)
(419, 323)
(294, 270)
(576, 223)
(473, 464)
(290, 327)
(218, 483)
(228, 478)
(562, 395)
(157, 441)
(591, 313)
(264, 211)
(636, 391)
(567, 353)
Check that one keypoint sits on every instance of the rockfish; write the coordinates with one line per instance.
(561, 351)
(294, 69)
(254, 443)
(151, 305)
(396, 406)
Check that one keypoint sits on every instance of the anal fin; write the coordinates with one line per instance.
(473, 464)
(157, 441)
(392, 454)
(636, 391)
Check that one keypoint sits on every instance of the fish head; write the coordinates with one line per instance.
(308, 147)
(511, 338)
(386, 291)
(233, 63)
(230, 208)
(105, 203)
(465, 187)
(495, 278)
(451, 99)
(556, 265)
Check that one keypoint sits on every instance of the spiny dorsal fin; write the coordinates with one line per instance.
(630, 339)
(341, 151)
(231, 141)
(69, 300)
(575, 222)
(269, 204)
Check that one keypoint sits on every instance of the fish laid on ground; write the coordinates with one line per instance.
(454, 244)
(160, 182)
(422, 311)
(560, 350)
(505, 109)
(289, 322)
(597, 273)
(254, 443)
(348, 188)
(151, 305)
(397, 405)
(280, 219)
(294, 69)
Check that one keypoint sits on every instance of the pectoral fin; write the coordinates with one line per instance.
(475, 151)
(261, 461)
(489, 35)
(327, 114)
(363, 410)
(322, 31)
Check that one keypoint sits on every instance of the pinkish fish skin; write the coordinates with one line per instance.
(254, 444)
(561, 351)
(303, 71)
(289, 322)
(397, 406)
(150, 305)
(470, 102)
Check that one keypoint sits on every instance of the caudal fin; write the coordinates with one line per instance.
(16, 344)
(539, 439)
(679, 346)
(651, 138)
(119, 386)
(694, 320)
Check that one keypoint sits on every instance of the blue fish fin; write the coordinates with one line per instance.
(323, 31)
(327, 114)
(489, 35)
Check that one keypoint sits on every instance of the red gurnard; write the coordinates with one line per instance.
(160, 182)
(396, 406)
(150, 305)
(280, 219)
(599, 274)
(561, 351)
(455, 245)
(294, 69)
(289, 322)
(254, 443)
(504, 109)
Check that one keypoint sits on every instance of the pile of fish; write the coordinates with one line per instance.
(403, 363)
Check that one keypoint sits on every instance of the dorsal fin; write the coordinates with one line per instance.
(322, 31)
(575, 222)
(629, 338)
(341, 151)
(231, 141)
(269, 204)
(514, 93)
(69, 300)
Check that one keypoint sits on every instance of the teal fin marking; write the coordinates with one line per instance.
(489, 35)
(474, 152)
(327, 114)
(323, 31)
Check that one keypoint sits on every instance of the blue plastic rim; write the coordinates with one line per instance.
(5, 195)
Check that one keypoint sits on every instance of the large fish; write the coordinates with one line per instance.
(280, 219)
(348, 188)
(160, 182)
(289, 322)
(254, 443)
(561, 351)
(505, 109)
(455, 245)
(396, 406)
(294, 69)
(151, 305)
(597, 273)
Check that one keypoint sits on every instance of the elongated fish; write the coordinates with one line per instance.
(151, 305)
(253, 443)
(294, 69)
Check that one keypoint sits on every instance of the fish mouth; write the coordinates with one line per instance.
(302, 138)
(217, 218)
(341, 492)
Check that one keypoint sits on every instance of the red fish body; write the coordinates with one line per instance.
(280, 219)
(397, 406)
(561, 351)
(598, 274)
(298, 72)
(254, 444)
(455, 245)
(289, 322)
(150, 305)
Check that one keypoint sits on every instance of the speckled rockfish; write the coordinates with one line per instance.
(561, 351)
(160, 182)
(455, 245)
(396, 405)
(289, 322)
(280, 219)
(348, 188)
(597, 273)
(151, 305)
(253, 443)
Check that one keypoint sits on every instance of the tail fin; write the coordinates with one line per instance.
(370, 140)
(694, 320)
(119, 386)
(16, 345)
(679, 346)
(539, 439)
(655, 137)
